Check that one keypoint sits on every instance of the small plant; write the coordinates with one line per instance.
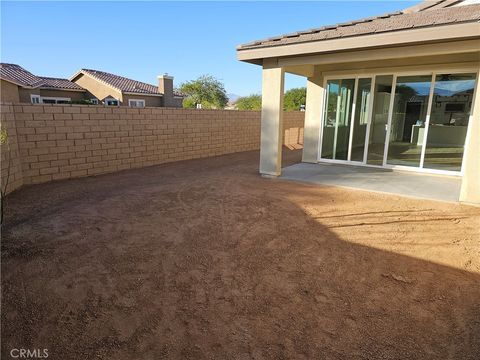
(4, 184)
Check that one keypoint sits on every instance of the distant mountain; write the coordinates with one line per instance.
(232, 98)
(423, 89)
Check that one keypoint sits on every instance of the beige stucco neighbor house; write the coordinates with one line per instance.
(20, 85)
(115, 90)
(397, 91)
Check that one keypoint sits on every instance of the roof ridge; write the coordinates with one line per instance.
(121, 83)
(51, 77)
(119, 76)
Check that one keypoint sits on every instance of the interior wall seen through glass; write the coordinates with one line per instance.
(451, 106)
(408, 120)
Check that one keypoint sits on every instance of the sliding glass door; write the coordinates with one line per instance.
(447, 130)
(410, 121)
(336, 126)
(379, 119)
(360, 120)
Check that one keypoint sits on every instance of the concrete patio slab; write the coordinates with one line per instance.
(404, 183)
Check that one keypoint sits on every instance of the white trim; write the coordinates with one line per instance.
(56, 99)
(106, 100)
(94, 101)
(322, 119)
(389, 120)
(369, 122)
(166, 77)
(136, 100)
(34, 96)
(352, 119)
(424, 70)
(337, 118)
(427, 120)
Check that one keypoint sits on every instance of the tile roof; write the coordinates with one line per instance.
(19, 75)
(124, 84)
(56, 83)
(425, 14)
(15, 73)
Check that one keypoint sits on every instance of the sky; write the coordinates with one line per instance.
(141, 40)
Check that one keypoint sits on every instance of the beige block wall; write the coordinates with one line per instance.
(11, 167)
(68, 141)
(8, 92)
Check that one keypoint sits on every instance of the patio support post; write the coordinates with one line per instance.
(313, 111)
(470, 190)
(271, 137)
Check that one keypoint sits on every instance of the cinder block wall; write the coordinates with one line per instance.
(67, 141)
(11, 166)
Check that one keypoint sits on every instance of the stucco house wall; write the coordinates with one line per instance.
(9, 92)
(150, 101)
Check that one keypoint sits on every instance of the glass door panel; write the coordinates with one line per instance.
(360, 120)
(343, 124)
(330, 119)
(381, 104)
(336, 126)
(408, 120)
(451, 105)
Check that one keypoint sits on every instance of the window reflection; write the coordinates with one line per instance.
(452, 102)
(408, 120)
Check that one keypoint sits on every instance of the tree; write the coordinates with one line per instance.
(294, 98)
(207, 91)
(251, 102)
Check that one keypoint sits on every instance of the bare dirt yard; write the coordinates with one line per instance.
(205, 259)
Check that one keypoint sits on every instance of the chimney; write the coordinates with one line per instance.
(165, 86)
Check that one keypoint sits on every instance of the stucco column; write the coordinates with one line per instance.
(272, 119)
(313, 111)
(470, 190)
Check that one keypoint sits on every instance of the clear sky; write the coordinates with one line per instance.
(141, 40)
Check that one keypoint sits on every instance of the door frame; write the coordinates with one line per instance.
(432, 70)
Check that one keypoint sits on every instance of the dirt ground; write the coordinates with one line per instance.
(205, 259)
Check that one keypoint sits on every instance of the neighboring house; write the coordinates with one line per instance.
(397, 91)
(20, 85)
(114, 90)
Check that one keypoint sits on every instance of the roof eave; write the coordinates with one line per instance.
(60, 89)
(448, 32)
(140, 94)
(17, 83)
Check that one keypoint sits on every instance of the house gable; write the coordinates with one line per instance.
(97, 88)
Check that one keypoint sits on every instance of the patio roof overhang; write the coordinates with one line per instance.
(432, 28)
(389, 40)
(446, 44)
(424, 42)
